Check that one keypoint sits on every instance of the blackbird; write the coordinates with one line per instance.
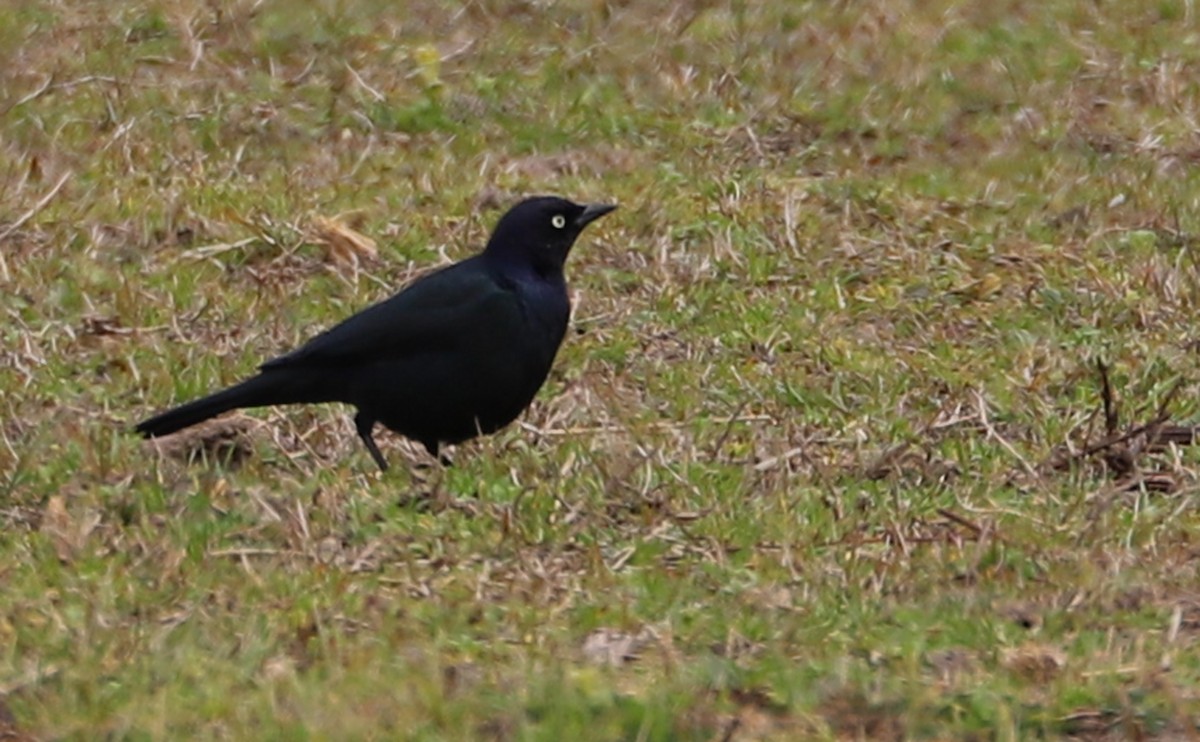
(458, 353)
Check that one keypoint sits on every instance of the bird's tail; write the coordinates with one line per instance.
(259, 391)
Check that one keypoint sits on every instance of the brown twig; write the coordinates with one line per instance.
(969, 525)
(1157, 422)
(1111, 413)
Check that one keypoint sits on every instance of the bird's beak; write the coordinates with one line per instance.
(591, 213)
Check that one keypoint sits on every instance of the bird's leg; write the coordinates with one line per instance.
(433, 447)
(364, 425)
(442, 499)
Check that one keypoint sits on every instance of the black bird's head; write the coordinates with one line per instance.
(539, 232)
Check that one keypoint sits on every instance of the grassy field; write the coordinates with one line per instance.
(872, 422)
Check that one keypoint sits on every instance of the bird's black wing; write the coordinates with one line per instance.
(435, 312)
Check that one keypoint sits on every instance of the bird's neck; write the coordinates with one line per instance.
(548, 271)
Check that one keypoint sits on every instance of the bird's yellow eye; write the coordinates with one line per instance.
(559, 221)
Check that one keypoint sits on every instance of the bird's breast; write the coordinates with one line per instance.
(547, 308)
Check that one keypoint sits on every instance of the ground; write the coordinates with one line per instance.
(874, 422)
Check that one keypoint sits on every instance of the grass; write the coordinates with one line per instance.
(825, 455)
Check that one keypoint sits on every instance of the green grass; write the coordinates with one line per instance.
(798, 454)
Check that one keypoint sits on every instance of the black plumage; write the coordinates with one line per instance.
(459, 352)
